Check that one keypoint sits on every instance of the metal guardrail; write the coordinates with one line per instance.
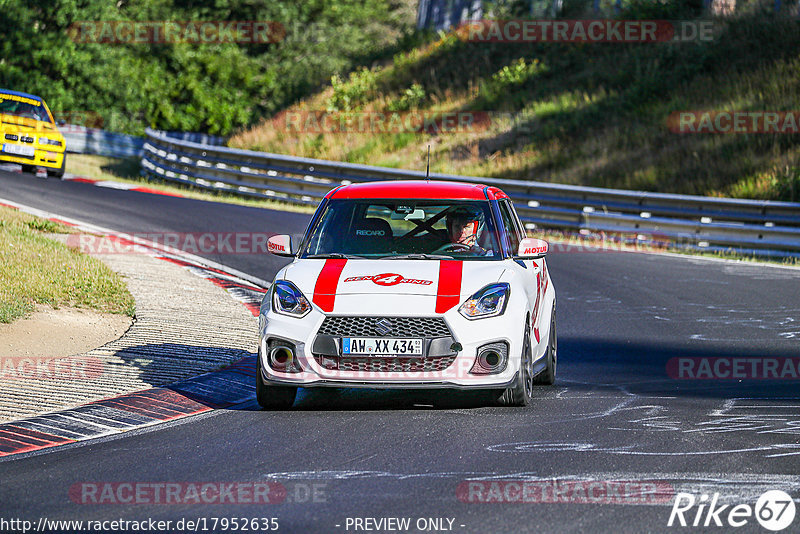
(758, 226)
(82, 140)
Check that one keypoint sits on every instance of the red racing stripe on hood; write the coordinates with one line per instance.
(447, 294)
(328, 279)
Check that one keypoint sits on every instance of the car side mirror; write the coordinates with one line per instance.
(531, 248)
(280, 245)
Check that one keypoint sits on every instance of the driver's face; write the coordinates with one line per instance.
(463, 233)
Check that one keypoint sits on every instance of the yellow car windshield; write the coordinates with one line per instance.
(11, 106)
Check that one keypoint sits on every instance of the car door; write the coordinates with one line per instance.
(529, 270)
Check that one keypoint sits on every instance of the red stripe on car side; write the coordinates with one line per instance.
(328, 279)
(544, 290)
(535, 319)
(449, 290)
(541, 289)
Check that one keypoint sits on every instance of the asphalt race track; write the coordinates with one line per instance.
(616, 417)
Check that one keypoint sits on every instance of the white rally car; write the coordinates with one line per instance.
(409, 284)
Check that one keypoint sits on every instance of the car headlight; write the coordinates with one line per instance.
(289, 300)
(46, 141)
(488, 302)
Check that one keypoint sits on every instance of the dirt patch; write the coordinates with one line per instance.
(62, 332)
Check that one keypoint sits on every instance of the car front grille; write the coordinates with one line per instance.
(357, 326)
(386, 365)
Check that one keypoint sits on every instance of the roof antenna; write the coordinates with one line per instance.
(428, 166)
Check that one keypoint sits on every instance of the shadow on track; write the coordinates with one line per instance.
(584, 365)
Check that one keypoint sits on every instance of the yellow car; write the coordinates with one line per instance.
(28, 134)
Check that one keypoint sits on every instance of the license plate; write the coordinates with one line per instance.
(19, 150)
(371, 346)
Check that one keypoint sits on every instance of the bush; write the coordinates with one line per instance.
(662, 9)
(350, 95)
(509, 78)
(412, 98)
(215, 88)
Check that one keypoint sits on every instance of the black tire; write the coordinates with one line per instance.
(273, 397)
(29, 169)
(521, 391)
(58, 173)
(548, 376)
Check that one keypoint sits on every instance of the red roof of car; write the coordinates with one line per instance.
(434, 189)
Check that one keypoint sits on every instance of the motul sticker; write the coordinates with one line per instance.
(534, 250)
(388, 279)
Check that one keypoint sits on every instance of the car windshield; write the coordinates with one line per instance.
(13, 105)
(404, 229)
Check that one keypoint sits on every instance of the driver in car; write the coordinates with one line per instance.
(462, 229)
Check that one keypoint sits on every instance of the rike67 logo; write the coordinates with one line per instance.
(774, 510)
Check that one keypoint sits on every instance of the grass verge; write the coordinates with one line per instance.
(37, 270)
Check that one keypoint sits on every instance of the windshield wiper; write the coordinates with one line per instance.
(419, 257)
(334, 255)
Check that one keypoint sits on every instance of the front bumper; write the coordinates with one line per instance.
(389, 385)
(42, 158)
(471, 335)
